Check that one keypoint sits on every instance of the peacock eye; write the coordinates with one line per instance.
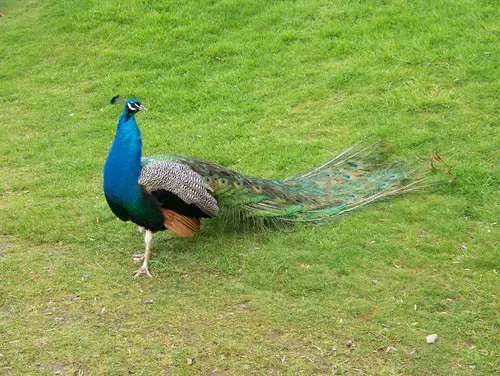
(257, 188)
(222, 182)
(131, 106)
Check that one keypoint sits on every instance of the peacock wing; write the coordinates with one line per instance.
(180, 180)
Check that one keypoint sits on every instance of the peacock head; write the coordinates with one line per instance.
(132, 105)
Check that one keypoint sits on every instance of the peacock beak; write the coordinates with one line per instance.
(142, 108)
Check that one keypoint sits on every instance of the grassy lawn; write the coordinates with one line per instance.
(270, 89)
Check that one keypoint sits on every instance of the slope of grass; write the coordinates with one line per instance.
(270, 89)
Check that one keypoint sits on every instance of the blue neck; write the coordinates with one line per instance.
(126, 198)
(123, 166)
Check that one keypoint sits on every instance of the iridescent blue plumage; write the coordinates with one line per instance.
(126, 198)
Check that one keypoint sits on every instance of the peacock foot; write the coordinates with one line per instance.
(142, 270)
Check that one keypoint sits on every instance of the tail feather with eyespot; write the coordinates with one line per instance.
(356, 177)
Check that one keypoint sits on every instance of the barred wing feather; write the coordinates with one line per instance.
(181, 181)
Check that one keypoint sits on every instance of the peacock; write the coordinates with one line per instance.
(166, 192)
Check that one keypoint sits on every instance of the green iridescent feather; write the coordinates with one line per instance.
(358, 176)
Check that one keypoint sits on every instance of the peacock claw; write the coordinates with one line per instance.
(142, 270)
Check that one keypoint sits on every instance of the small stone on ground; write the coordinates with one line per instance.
(432, 338)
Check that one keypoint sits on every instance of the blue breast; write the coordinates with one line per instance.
(125, 197)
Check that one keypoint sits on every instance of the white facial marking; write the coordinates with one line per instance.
(131, 108)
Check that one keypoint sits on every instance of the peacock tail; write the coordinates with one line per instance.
(358, 176)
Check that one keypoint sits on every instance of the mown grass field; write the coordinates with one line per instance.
(270, 89)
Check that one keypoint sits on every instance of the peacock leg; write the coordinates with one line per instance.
(148, 239)
(138, 257)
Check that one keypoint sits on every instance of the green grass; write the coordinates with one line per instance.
(270, 89)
